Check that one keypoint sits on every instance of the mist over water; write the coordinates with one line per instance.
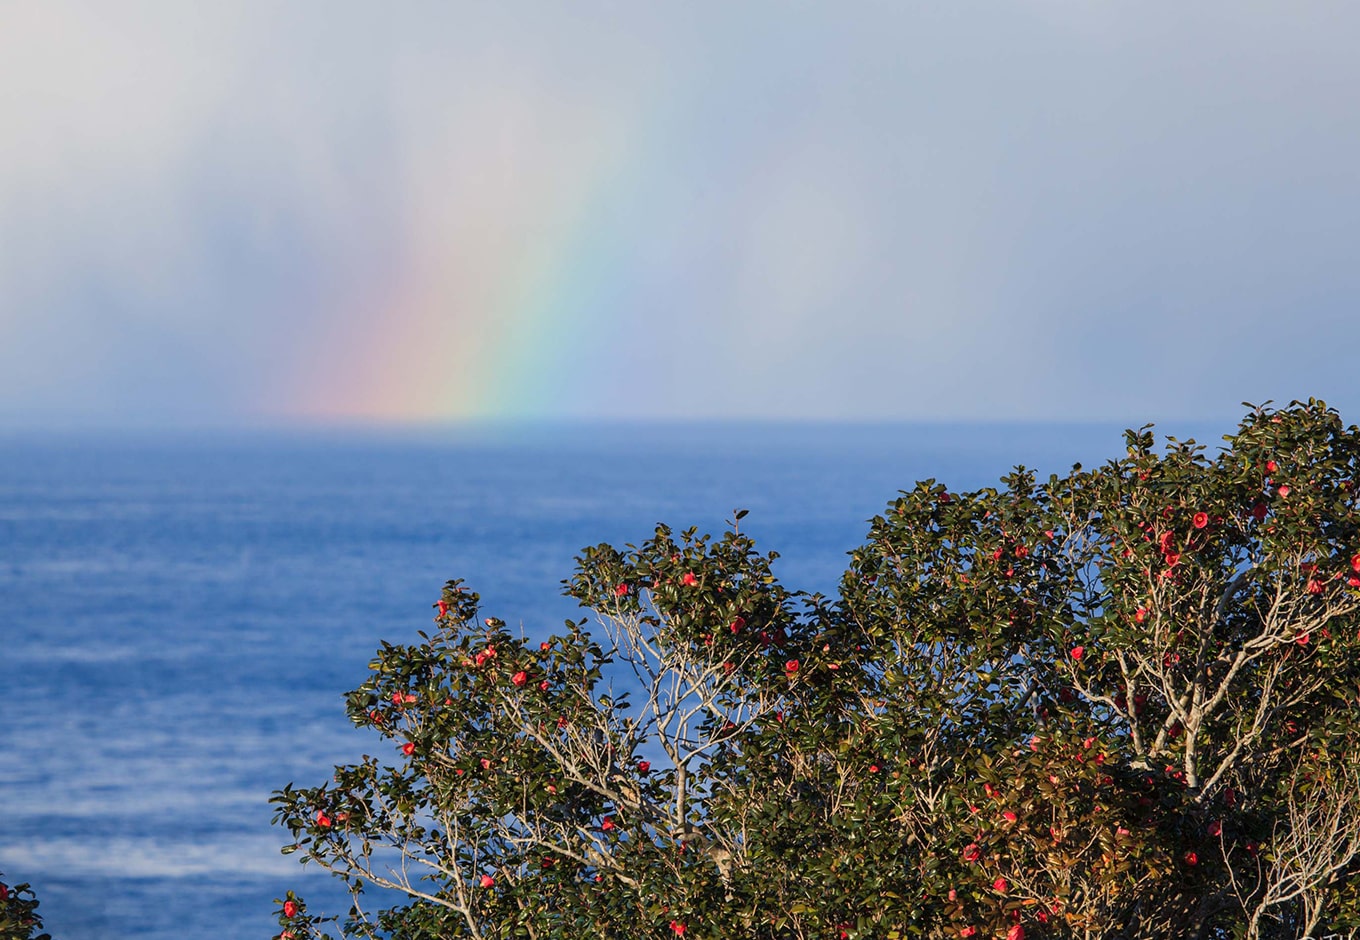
(180, 614)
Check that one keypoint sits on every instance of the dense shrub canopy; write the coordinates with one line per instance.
(1115, 703)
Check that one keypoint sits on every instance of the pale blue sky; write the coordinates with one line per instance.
(237, 213)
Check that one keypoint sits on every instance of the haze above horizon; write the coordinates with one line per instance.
(335, 215)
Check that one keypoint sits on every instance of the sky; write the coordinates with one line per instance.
(252, 213)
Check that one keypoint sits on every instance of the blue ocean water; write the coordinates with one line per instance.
(181, 613)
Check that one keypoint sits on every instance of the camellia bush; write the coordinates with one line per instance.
(19, 919)
(1117, 703)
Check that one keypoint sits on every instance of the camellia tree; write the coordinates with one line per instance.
(19, 918)
(1115, 703)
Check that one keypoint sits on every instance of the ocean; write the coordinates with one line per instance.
(181, 612)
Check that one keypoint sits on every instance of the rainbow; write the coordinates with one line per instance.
(498, 275)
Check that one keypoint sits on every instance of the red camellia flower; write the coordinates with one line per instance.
(520, 678)
(689, 580)
(1355, 563)
(1191, 858)
(289, 908)
(644, 767)
(408, 748)
(487, 881)
(873, 768)
(1271, 466)
(1009, 816)
(1314, 586)
(677, 928)
(4, 892)
(322, 819)
(968, 931)
(1078, 652)
(1141, 615)
(620, 590)
(1258, 511)
(1016, 933)
(791, 666)
(607, 824)
(443, 608)
(1200, 520)
(740, 622)
(1216, 828)
(971, 852)
(543, 686)
(545, 646)
(1000, 886)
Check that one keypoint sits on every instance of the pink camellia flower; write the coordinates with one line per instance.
(289, 908)
(968, 931)
(644, 766)
(971, 852)
(409, 698)
(408, 748)
(486, 763)
(620, 590)
(1282, 490)
(1009, 816)
(607, 824)
(953, 894)
(689, 580)
(1120, 832)
(791, 666)
(480, 658)
(1078, 652)
(543, 686)
(1016, 933)
(1001, 886)
(322, 819)
(1200, 520)
(487, 881)
(520, 678)
(1314, 586)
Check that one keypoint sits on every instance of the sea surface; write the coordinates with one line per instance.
(181, 613)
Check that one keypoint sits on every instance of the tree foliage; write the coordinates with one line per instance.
(19, 917)
(1114, 703)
